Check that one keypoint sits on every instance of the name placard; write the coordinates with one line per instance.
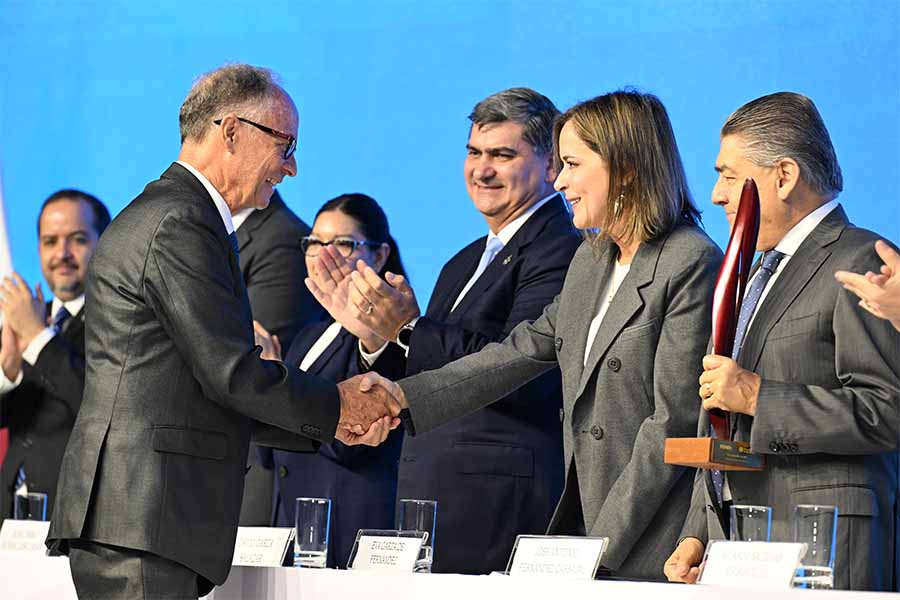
(386, 550)
(567, 557)
(261, 546)
(751, 564)
(24, 536)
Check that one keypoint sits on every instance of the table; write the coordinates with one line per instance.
(24, 577)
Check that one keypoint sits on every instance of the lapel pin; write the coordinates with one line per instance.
(507, 259)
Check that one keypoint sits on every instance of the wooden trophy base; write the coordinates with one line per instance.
(709, 453)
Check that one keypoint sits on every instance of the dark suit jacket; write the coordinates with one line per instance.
(828, 413)
(635, 387)
(497, 472)
(174, 386)
(40, 414)
(361, 481)
(274, 268)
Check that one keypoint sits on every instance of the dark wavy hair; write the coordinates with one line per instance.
(372, 222)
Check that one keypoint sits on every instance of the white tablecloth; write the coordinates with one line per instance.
(43, 578)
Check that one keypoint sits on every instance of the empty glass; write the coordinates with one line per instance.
(750, 523)
(816, 526)
(30, 507)
(313, 524)
(420, 515)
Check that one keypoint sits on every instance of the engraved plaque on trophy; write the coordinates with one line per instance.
(720, 451)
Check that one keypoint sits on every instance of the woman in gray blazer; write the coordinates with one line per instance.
(628, 330)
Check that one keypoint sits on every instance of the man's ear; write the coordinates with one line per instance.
(787, 175)
(227, 131)
(552, 169)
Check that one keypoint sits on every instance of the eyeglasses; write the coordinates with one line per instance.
(311, 246)
(291, 140)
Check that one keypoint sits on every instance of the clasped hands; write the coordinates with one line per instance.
(370, 409)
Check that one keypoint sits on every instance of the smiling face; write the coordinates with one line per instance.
(584, 179)
(259, 163)
(733, 168)
(334, 224)
(504, 174)
(66, 241)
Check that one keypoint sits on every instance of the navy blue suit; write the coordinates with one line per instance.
(361, 481)
(497, 472)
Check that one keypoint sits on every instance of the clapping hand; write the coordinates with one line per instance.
(329, 283)
(23, 311)
(382, 305)
(879, 293)
(271, 346)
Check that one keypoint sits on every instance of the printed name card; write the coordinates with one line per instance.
(751, 564)
(262, 546)
(386, 550)
(24, 536)
(566, 557)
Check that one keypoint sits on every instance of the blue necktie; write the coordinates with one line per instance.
(60, 318)
(768, 267)
(493, 247)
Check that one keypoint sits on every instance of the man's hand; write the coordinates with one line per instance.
(271, 347)
(384, 306)
(329, 283)
(10, 355)
(362, 405)
(375, 435)
(23, 311)
(879, 293)
(725, 385)
(684, 564)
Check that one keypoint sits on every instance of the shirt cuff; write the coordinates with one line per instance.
(369, 359)
(35, 346)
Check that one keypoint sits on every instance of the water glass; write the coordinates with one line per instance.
(313, 524)
(420, 515)
(30, 507)
(750, 523)
(816, 526)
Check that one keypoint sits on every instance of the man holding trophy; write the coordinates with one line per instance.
(814, 384)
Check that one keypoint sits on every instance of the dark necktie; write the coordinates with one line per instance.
(232, 238)
(60, 318)
(768, 267)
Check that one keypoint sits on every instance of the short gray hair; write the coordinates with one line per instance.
(534, 111)
(223, 90)
(788, 125)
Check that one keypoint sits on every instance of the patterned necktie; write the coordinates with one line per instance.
(232, 237)
(768, 267)
(492, 248)
(60, 318)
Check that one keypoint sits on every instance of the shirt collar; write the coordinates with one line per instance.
(799, 232)
(219, 201)
(240, 216)
(507, 232)
(73, 306)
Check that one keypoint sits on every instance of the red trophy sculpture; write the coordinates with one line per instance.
(719, 451)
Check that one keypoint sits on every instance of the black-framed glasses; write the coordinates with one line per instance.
(291, 140)
(311, 246)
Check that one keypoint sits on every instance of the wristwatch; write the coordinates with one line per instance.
(404, 336)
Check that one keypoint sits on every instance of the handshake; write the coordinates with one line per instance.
(370, 409)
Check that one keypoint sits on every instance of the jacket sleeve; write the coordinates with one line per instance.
(202, 307)
(646, 481)
(59, 370)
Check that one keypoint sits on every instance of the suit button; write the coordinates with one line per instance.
(558, 344)
(597, 432)
(282, 471)
(774, 446)
(614, 363)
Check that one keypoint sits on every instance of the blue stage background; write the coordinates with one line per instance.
(90, 91)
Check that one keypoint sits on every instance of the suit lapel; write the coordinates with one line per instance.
(626, 303)
(458, 273)
(800, 269)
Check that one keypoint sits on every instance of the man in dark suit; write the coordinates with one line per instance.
(42, 348)
(174, 386)
(274, 269)
(814, 382)
(498, 472)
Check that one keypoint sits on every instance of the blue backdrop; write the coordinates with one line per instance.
(90, 91)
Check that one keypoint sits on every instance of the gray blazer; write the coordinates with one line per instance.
(639, 387)
(174, 387)
(827, 414)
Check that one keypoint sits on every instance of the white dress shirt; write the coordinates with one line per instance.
(609, 292)
(219, 201)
